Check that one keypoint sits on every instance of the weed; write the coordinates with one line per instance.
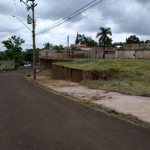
(47, 73)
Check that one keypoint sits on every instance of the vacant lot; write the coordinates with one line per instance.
(132, 75)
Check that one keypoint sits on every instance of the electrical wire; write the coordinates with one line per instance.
(16, 8)
(68, 17)
(77, 15)
(86, 15)
(13, 29)
(49, 9)
(54, 10)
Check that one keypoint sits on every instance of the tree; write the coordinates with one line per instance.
(104, 40)
(116, 44)
(14, 50)
(58, 48)
(48, 45)
(132, 39)
(28, 55)
(77, 40)
(74, 48)
(1, 56)
(87, 40)
(61, 47)
(147, 41)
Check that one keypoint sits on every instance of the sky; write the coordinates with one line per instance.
(124, 17)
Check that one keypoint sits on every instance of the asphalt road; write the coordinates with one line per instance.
(32, 118)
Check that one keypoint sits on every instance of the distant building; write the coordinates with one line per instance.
(84, 47)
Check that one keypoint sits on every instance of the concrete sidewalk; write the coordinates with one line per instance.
(136, 105)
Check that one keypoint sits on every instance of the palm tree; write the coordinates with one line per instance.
(103, 37)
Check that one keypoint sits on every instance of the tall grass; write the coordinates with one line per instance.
(133, 75)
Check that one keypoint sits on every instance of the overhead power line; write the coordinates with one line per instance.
(12, 29)
(16, 7)
(76, 13)
(68, 17)
(77, 19)
(52, 10)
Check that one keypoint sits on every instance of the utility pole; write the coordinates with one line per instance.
(68, 46)
(34, 47)
(32, 6)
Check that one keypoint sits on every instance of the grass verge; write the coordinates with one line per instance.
(46, 73)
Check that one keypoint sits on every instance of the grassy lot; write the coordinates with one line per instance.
(133, 75)
(46, 73)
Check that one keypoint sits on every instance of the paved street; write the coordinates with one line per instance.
(32, 118)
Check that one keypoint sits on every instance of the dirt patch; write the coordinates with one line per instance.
(97, 97)
(104, 74)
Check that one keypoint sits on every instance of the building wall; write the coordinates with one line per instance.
(6, 65)
(140, 46)
(132, 54)
(97, 52)
(45, 64)
(143, 54)
(47, 53)
(125, 54)
(141, 50)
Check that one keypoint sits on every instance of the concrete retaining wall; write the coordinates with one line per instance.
(77, 75)
(45, 64)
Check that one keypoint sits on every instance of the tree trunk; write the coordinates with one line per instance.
(104, 51)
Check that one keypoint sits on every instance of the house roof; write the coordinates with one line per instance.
(84, 47)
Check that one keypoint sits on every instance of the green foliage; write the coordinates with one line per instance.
(74, 48)
(28, 55)
(46, 73)
(147, 41)
(14, 50)
(77, 40)
(88, 41)
(132, 76)
(48, 45)
(17, 65)
(83, 61)
(1, 63)
(104, 40)
(117, 44)
(132, 39)
(58, 47)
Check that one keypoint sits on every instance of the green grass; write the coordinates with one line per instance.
(46, 73)
(133, 75)
(6, 70)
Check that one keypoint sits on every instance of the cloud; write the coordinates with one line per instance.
(125, 17)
